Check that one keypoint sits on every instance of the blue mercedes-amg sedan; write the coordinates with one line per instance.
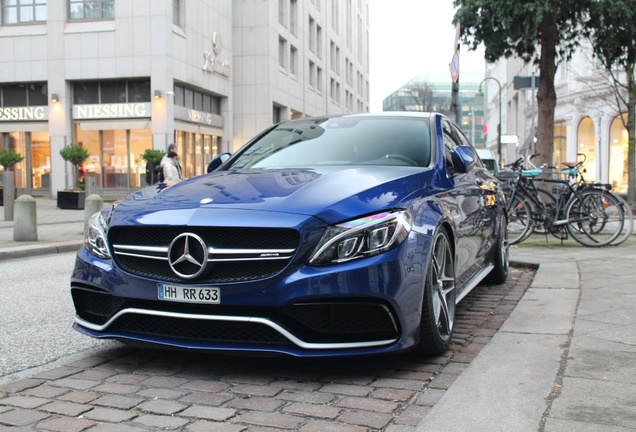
(329, 236)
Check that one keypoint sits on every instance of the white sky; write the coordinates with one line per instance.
(409, 38)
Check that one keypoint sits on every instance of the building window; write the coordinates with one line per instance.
(100, 92)
(618, 145)
(16, 95)
(560, 143)
(293, 60)
(293, 17)
(319, 79)
(177, 13)
(332, 55)
(587, 146)
(332, 89)
(319, 41)
(282, 12)
(79, 10)
(312, 35)
(23, 11)
(282, 53)
(312, 74)
(195, 99)
(277, 114)
(335, 16)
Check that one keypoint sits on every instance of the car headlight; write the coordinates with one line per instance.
(363, 237)
(95, 236)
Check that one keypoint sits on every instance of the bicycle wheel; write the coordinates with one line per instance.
(549, 205)
(520, 222)
(628, 226)
(595, 218)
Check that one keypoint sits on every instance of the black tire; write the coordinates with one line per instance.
(595, 218)
(520, 219)
(440, 296)
(501, 258)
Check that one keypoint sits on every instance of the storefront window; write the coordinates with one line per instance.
(17, 143)
(195, 151)
(586, 145)
(116, 162)
(41, 160)
(140, 140)
(618, 155)
(187, 156)
(89, 139)
(115, 155)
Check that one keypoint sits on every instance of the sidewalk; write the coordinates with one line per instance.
(565, 359)
(59, 230)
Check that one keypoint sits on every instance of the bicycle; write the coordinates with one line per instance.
(588, 212)
(523, 199)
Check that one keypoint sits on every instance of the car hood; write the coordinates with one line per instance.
(330, 195)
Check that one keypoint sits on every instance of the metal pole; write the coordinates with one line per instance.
(499, 131)
(472, 125)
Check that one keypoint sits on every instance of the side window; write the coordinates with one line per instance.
(457, 137)
(449, 144)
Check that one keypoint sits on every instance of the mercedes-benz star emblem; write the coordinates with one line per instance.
(188, 255)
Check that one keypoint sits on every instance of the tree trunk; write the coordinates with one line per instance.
(546, 94)
(631, 132)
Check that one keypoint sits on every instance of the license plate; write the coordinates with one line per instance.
(189, 294)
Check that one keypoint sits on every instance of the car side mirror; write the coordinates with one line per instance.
(217, 161)
(464, 159)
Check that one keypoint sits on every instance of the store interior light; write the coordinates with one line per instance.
(157, 94)
(55, 98)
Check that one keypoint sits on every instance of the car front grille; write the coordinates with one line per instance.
(327, 322)
(236, 254)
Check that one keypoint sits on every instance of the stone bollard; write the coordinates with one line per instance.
(92, 204)
(25, 226)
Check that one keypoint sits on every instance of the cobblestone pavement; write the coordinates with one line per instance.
(132, 389)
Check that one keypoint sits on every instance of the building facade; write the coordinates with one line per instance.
(120, 77)
(587, 118)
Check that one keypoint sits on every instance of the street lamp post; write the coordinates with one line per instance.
(499, 126)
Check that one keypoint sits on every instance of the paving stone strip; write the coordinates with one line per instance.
(133, 389)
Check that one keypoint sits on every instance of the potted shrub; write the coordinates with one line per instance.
(73, 198)
(8, 158)
(154, 173)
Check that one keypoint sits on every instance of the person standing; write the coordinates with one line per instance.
(165, 159)
(172, 169)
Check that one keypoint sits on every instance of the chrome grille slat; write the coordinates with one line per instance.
(232, 254)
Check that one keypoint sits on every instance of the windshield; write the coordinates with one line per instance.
(340, 141)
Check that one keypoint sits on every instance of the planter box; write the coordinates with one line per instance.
(71, 199)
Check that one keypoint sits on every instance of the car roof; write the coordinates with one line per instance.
(425, 115)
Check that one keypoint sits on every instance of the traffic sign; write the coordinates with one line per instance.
(454, 66)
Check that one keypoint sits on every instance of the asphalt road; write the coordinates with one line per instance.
(36, 314)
